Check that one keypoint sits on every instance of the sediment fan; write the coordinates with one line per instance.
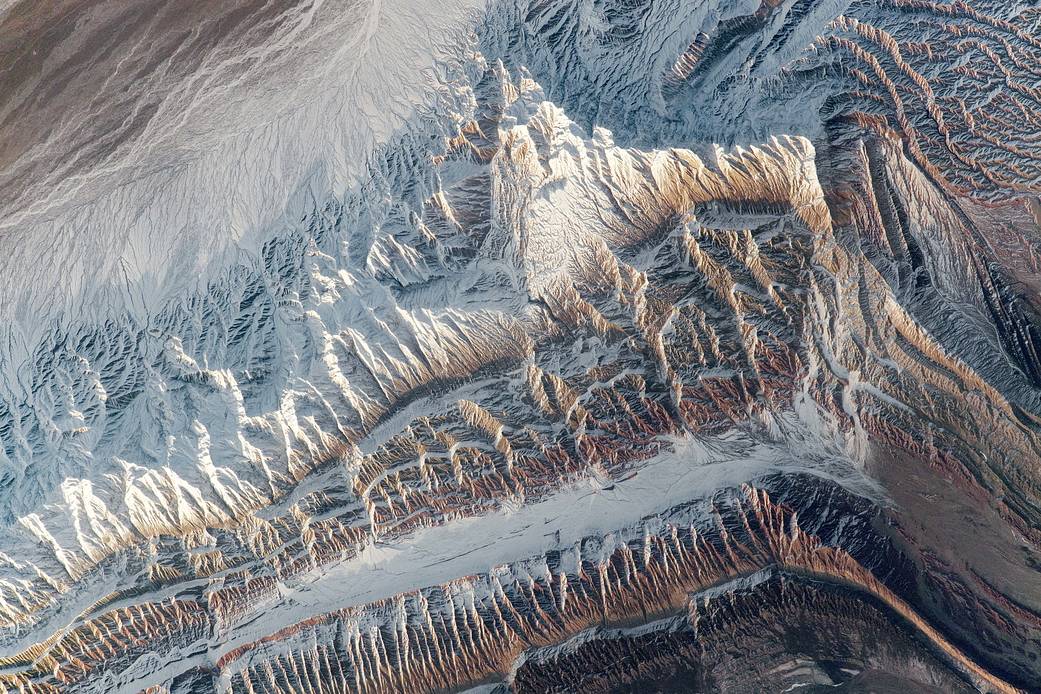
(560, 345)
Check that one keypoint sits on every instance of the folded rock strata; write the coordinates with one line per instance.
(659, 346)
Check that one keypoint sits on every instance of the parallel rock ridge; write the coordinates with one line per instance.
(678, 346)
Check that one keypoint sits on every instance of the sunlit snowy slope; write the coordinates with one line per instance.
(536, 345)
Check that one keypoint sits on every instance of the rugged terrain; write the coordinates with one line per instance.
(560, 345)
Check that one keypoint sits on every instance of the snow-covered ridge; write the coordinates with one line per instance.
(228, 400)
(444, 300)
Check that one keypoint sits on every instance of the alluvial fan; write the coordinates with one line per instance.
(528, 345)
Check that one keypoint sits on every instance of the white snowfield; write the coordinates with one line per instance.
(187, 362)
(305, 272)
(215, 153)
(231, 400)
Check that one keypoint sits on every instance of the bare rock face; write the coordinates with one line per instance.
(536, 346)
